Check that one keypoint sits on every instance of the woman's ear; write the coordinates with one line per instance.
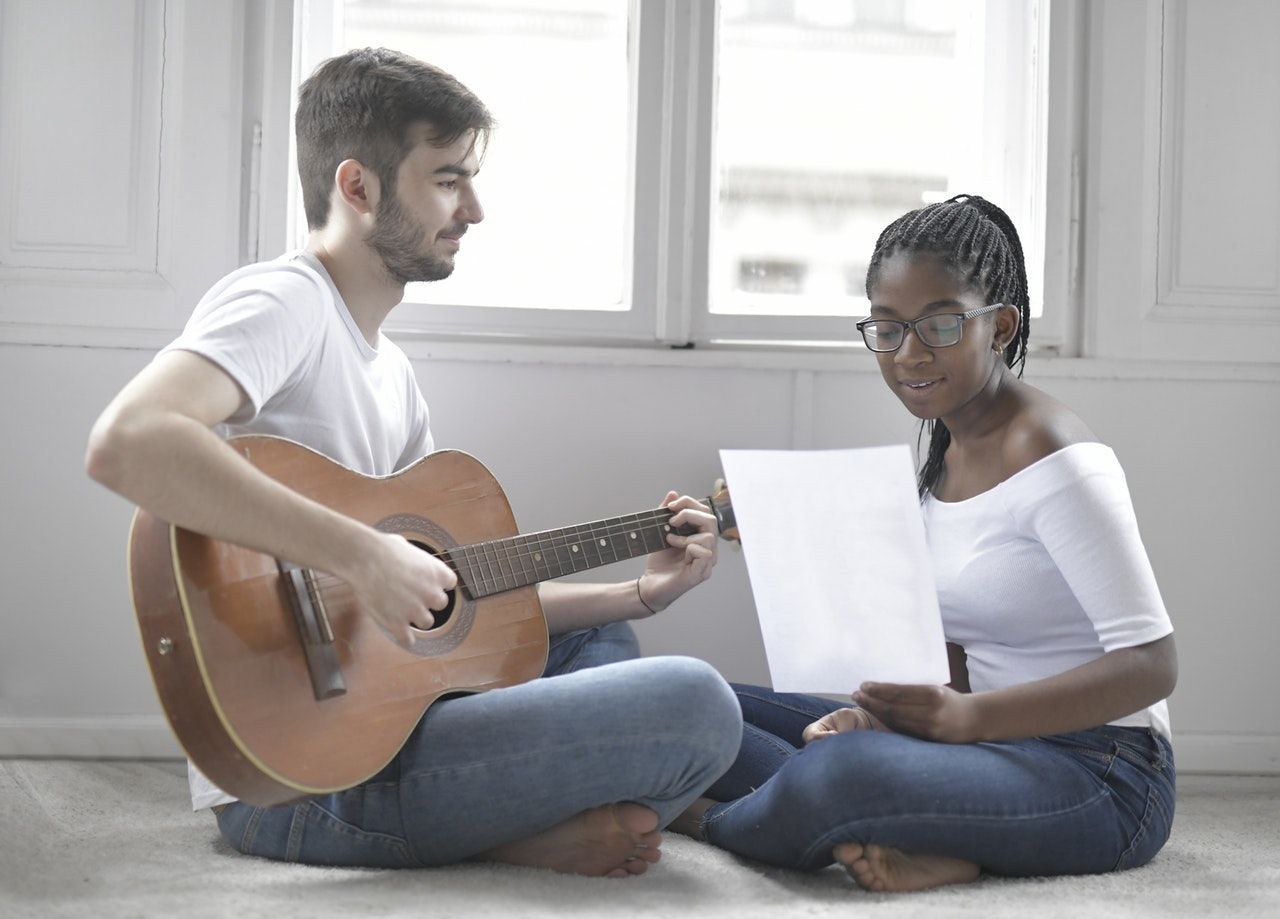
(1005, 328)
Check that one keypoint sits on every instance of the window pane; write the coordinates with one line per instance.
(554, 180)
(833, 118)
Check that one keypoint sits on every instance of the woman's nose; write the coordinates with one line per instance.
(912, 350)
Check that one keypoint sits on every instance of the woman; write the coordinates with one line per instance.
(1048, 752)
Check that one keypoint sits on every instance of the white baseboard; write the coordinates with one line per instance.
(149, 737)
(104, 737)
(1227, 754)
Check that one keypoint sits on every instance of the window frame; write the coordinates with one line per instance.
(666, 293)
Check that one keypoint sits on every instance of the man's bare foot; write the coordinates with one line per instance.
(881, 869)
(689, 823)
(614, 841)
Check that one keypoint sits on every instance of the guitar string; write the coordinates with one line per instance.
(492, 553)
(645, 520)
(596, 531)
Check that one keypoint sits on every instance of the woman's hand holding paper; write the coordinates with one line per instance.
(931, 712)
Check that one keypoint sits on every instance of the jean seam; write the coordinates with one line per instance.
(708, 821)
(1157, 759)
(1164, 812)
(829, 839)
(570, 665)
(1144, 757)
(1134, 756)
(780, 745)
(336, 824)
(777, 704)
(1083, 750)
(1141, 832)
(250, 834)
(297, 826)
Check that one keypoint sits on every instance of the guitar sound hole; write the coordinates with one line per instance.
(441, 616)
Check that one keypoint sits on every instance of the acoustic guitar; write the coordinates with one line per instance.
(278, 687)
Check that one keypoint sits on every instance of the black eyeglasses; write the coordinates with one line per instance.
(937, 330)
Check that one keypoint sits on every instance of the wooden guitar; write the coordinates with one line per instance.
(278, 687)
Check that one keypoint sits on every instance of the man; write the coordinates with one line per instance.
(575, 773)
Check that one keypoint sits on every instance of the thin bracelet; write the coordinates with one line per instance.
(652, 611)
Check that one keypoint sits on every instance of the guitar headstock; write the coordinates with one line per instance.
(722, 508)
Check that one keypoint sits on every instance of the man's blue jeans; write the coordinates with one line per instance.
(1080, 803)
(481, 770)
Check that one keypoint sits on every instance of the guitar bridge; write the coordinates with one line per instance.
(314, 630)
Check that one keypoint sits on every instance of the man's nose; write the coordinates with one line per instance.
(470, 209)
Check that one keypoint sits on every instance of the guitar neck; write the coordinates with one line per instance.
(499, 565)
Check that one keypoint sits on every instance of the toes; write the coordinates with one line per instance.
(636, 818)
(650, 840)
(846, 853)
(635, 866)
(862, 863)
(646, 854)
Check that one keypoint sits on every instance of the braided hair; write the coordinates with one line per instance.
(976, 239)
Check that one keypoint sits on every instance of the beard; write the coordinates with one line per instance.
(397, 239)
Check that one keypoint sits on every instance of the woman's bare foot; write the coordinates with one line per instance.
(615, 841)
(841, 721)
(689, 823)
(880, 869)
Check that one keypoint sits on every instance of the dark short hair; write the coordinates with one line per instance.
(361, 105)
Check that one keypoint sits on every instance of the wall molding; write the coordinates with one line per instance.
(422, 348)
(149, 737)
(103, 737)
(1227, 754)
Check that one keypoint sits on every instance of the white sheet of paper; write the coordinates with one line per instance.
(835, 548)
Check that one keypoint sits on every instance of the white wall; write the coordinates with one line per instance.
(577, 434)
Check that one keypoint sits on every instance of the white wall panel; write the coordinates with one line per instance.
(1220, 160)
(119, 162)
(1182, 226)
(81, 157)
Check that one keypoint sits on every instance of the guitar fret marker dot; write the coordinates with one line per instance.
(573, 548)
(602, 542)
(633, 535)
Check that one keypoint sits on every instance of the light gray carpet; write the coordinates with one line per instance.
(113, 839)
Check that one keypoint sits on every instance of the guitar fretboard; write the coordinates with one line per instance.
(504, 564)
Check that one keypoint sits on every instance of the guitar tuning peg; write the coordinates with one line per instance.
(722, 507)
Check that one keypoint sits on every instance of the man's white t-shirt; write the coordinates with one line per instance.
(281, 330)
(1045, 572)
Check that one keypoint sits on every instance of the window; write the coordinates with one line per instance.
(833, 117)
(694, 172)
(555, 181)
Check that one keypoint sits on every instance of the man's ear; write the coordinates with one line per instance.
(356, 187)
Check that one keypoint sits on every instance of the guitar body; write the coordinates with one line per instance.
(226, 650)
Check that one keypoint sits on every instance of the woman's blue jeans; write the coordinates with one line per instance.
(1080, 803)
(481, 770)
